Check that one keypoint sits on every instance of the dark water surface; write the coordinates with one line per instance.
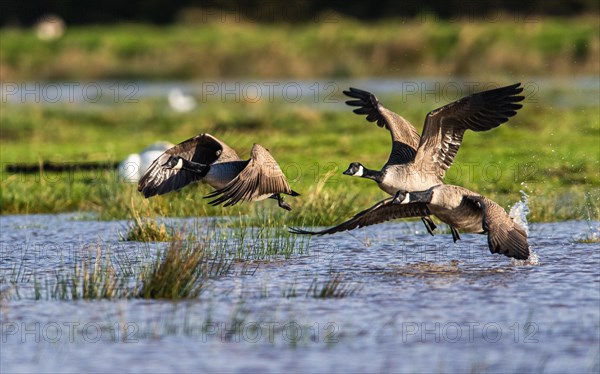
(421, 304)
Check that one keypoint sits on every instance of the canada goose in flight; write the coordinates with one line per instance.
(418, 163)
(454, 205)
(207, 159)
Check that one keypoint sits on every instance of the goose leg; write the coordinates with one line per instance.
(280, 202)
(455, 235)
(429, 225)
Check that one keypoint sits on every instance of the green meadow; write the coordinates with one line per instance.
(549, 152)
(335, 47)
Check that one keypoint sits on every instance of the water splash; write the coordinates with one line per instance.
(518, 213)
(593, 233)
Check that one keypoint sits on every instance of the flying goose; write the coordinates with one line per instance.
(418, 163)
(454, 205)
(207, 159)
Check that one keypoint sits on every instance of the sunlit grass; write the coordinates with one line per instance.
(147, 229)
(550, 153)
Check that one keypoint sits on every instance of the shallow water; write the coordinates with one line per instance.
(423, 304)
(325, 94)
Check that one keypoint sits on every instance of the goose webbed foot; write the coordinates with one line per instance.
(429, 225)
(455, 235)
(280, 202)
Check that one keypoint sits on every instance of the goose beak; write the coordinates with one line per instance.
(348, 172)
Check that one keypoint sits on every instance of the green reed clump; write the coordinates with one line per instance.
(146, 229)
(179, 272)
(589, 239)
(90, 280)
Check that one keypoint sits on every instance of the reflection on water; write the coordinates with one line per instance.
(424, 304)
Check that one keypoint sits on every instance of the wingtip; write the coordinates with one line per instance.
(295, 230)
(514, 245)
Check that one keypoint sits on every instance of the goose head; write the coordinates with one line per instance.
(401, 197)
(355, 169)
(174, 162)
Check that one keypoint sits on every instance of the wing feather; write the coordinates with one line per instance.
(378, 213)
(203, 148)
(445, 126)
(405, 137)
(504, 235)
(261, 178)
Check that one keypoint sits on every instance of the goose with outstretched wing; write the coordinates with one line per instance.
(204, 158)
(458, 207)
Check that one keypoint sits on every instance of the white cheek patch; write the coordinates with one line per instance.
(179, 165)
(359, 172)
(406, 199)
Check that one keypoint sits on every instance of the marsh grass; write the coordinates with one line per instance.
(537, 147)
(90, 279)
(589, 239)
(263, 243)
(334, 49)
(179, 272)
(147, 229)
(259, 235)
(336, 287)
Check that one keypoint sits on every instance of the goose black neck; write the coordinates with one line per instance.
(376, 175)
(420, 197)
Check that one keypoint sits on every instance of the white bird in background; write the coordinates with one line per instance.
(50, 27)
(180, 102)
(135, 165)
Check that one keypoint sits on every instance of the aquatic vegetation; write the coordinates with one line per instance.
(92, 278)
(335, 287)
(591, 238)
(179, 272)
(146, 230)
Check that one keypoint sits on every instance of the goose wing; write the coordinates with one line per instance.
(405, 138)
(504, 236)
(203, 148)
(444, 127)
(380, 212)
(260, 178)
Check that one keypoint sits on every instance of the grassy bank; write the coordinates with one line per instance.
(341, 48)
(551, 153)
